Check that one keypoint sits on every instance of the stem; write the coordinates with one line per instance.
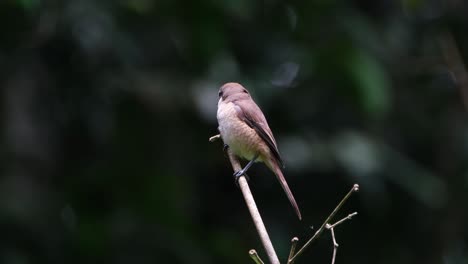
(254, 255)
(320, 230)
(335, 245)
(257, 219)
(342, 220)
(293, 247)
(214, 138)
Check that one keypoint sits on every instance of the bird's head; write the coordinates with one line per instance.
(233, 91)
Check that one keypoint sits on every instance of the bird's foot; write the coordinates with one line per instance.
(238, 174)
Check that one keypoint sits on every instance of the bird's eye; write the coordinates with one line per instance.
(220, 93)
(245, 91)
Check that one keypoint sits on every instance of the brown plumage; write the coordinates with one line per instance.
(245, 130)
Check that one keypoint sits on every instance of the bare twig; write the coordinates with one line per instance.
(214, 138)
(335, 245)
(254, 255)
(293, 247)
(249, 200)
(322, 227)
(342, 220)
(332, 231)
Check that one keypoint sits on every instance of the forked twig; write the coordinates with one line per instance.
(342, 220)
(335, 245)
(355, 188)
(332, 231)
(244, 186)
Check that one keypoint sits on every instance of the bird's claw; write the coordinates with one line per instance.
(238, 174)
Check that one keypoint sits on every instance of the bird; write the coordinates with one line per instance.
(245, 131)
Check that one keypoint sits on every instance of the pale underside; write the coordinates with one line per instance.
(241, 138)
(244, 129)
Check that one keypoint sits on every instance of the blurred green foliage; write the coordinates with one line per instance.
(107, 107)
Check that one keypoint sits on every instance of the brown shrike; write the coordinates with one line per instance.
(245, 131)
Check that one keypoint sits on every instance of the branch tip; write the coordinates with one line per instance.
(326, 225)
(214, 138)
(356, 187)
(294, 241)
(348, 217)
(255, 257)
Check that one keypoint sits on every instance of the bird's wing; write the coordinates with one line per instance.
(251, 114)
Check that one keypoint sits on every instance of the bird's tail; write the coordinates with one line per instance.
(279, 174)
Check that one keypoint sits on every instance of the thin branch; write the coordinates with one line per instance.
(342, 220)
(332, 231)
(293, 247)
(214, 138)
(254, 255)
(333, 235)
(249, 200)
(335, 245)
(322, 227)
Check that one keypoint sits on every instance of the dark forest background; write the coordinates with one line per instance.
(107, 107)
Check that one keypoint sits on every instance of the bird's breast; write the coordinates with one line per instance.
(242, 139)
